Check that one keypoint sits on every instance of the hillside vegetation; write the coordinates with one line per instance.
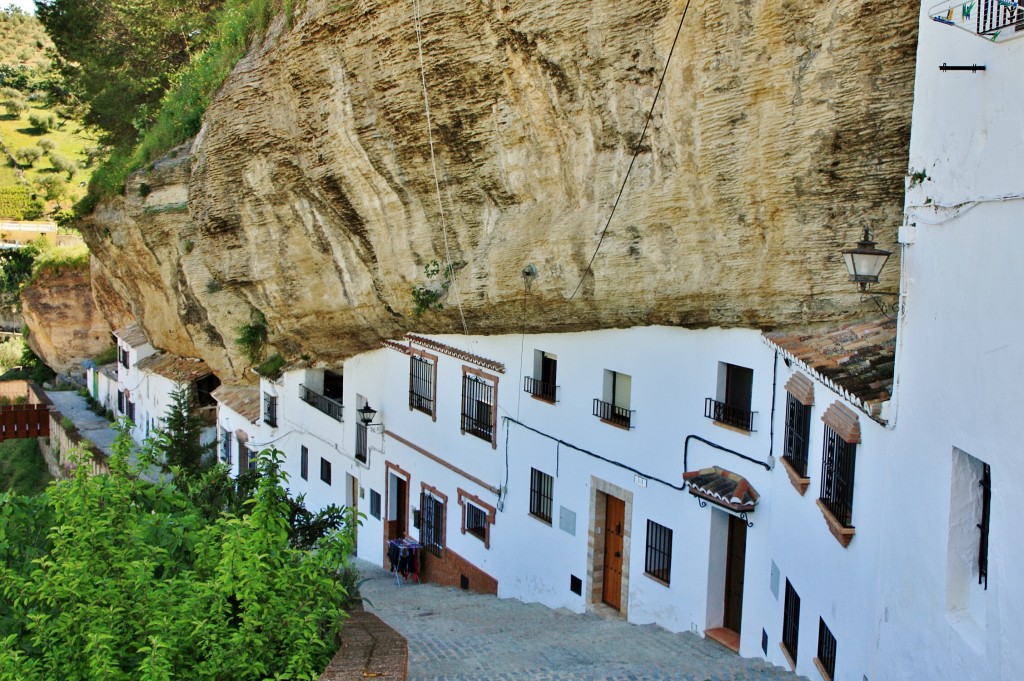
(48, 156)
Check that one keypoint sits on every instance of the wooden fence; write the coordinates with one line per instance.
(24, 420)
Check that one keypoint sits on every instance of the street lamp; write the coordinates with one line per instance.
(366, 413)
(865, 262)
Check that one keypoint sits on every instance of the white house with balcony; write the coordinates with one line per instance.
(147, 379)
(837, 500)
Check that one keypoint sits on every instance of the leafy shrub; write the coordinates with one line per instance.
(252, 337)
(15, 106)
(108, 356)
(145, 581)
(271, 367)
(46, 144)
(42, 122)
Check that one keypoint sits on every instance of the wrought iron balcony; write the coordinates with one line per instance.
(539, 389)
(729, 415)
(331, 407)
(606, 411)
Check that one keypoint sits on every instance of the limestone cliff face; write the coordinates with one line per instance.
(310, 192)
(66, 325)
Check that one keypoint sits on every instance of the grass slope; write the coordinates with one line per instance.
(22, 467)
(23, 40)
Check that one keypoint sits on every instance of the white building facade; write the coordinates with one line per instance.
(727, 482)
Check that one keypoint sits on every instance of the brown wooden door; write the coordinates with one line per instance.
(615, 515)
(397, 525)
(734, 564)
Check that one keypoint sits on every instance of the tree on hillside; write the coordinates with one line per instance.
(27, 156)
(118, 58)
(181, 432)
(138, 583)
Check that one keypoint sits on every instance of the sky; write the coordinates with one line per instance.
(27, 5)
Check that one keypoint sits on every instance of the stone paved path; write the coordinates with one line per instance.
(94, 428)
(462, 636)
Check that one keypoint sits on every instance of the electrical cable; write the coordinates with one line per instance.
(433, 163)
(636, 151)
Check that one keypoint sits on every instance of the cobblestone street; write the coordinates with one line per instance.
(459, 635)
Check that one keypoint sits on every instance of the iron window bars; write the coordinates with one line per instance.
(791, 622)
(826, 649)
(477, 407)
(837, 468)
(798, 425)
(361, 446)
(542, 488)
(432, 523)
(658, 562)
(421, 385)
(476, 521)
(270, 410)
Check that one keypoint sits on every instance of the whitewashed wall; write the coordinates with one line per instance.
(673, 371)
(960, 368)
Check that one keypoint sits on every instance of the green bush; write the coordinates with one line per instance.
(252, 337)
(108, 356)
(152, 582)
(15, 106)
(271, 367)
(46, 144)
(16, 203)
(22, 467)
(42, 122)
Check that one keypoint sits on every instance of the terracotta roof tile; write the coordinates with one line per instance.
(133, 334)
(179, 369)
(241, 398)
(858, 356)
(723, 488)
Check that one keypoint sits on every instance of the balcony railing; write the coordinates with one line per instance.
(332, 408)
(539, 389)
(606, 411)
(729, 415)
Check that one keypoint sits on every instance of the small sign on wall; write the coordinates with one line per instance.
(640, 481)
(567, 520)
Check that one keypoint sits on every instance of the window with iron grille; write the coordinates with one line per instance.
(731, 404)
(243, 458)
(131, 412)
(325, 470)
(826, 660)
(375, 504)
(270, 410)
(304, 462)
(545, 372)
(476, 521)
(798, 424)
(250, 457)
(542, 488)
(837, 467)
(658, 563)
(478, 406)
(362, 450)
(421, 384)
(613, 407)
(791, 622)
(123, 356)
(432, 523)
(120, 401)
(225, 446)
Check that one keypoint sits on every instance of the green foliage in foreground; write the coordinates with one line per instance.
(22, 467)
(110, 577)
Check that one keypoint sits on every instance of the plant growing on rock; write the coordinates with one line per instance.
(429, 297)
(252, 337)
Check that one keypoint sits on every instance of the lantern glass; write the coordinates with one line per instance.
(865, 262)
(366, 413)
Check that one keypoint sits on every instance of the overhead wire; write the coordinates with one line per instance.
(450, 271)
(636, 152)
